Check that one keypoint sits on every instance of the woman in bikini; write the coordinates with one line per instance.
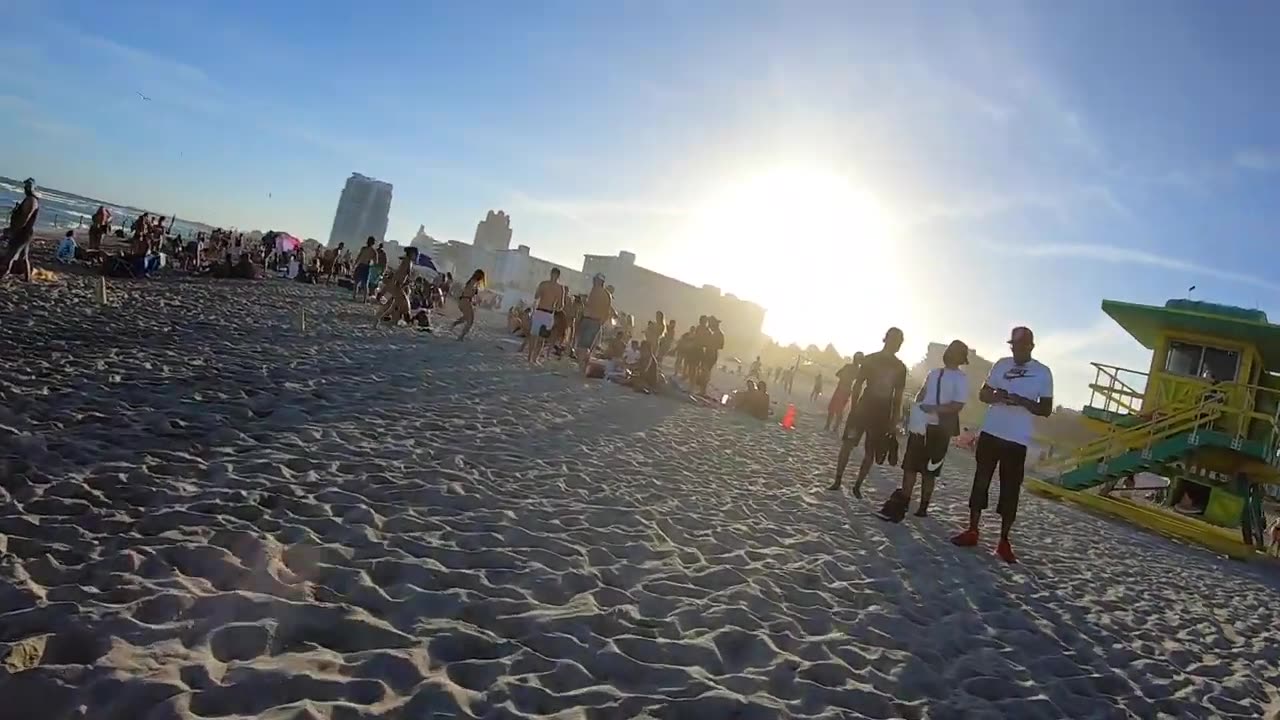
(397, 306)
(466, 302)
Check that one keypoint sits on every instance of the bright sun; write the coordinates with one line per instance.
(817, 251)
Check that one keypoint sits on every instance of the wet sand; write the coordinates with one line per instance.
(209, 511)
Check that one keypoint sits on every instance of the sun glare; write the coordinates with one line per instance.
(811, 246)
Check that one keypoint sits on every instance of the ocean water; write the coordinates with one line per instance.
(61, 211)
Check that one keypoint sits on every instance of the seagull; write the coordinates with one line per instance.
(144, 97)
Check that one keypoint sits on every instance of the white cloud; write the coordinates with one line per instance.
(1130, 256)
(1258, 160)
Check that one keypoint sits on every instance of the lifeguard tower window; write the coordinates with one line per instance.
(1207, 363)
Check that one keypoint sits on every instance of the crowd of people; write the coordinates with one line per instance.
(605, 343)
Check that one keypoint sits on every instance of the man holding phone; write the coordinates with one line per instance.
(1018, 389)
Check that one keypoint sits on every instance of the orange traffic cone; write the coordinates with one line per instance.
(789, 417)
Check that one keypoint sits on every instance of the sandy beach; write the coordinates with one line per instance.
(210, 511)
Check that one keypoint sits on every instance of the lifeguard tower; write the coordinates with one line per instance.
(1203, 415)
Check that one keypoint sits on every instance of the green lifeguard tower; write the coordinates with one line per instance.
(1204, 415)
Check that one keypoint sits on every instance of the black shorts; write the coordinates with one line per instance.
(1010, 457)
(871, 424)
(925, 453)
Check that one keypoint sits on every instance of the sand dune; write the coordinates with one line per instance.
(210, 512)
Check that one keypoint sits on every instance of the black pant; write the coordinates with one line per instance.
(1011, 457)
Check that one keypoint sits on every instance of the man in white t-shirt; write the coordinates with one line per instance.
(1018, 389)
(934, 420)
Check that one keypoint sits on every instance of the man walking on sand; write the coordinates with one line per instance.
(22, 229)
(360, 278)
(877, 397)
(840, 396)
(597, 311)
(1018, 390)
(547, 299)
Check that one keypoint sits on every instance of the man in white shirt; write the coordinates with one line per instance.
(1018, 389)
(934, 420)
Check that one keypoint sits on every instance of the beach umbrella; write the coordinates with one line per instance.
(425, 261)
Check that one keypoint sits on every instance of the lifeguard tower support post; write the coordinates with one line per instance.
(1204, 412)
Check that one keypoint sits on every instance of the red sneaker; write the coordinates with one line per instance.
(1005, 551)
(968, 538)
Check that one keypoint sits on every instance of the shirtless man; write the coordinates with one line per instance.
(22, 228)
(331, 261)
(548, 298)
(360, 278)
(597, 312)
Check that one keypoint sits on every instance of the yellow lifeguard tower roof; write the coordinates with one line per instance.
(1148, 323)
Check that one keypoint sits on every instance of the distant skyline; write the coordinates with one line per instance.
(952, 168)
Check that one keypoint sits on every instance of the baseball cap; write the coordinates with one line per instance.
(1021, 334)
(960, 349)
(893, 332)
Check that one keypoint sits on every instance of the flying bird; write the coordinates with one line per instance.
(144, 97)
(1193, 287)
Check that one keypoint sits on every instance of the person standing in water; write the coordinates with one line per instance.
(22, 229)
(840, 396)
(597, 311)
(877, 398)
(1018, 390)
(466, 302)
(547, 299)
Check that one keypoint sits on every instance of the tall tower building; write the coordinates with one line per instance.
(494, 232)
(363, 209)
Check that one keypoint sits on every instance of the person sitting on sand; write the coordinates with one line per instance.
(66, 251)
(754, 401)
(466, 302)
(643, 375)
(360, 278)
(397, 306)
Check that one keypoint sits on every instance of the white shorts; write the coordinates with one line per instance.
(539, 320)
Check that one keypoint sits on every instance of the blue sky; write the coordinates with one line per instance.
(1034, 157)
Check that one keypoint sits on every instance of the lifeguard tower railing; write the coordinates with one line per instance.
(1138, 409)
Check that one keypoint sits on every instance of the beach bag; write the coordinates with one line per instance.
(948, 423)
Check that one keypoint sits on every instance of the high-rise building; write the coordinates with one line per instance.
(493, 233)
(363, 208)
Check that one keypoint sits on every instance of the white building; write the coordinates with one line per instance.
(363, 209)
